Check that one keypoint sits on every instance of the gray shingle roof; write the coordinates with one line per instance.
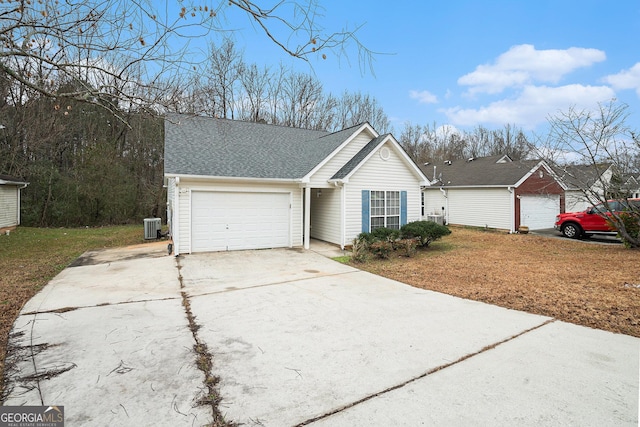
(359, 157)
(581, 176)
(228, 148)
(483, 171)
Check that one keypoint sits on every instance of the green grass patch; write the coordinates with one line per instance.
(344, 259)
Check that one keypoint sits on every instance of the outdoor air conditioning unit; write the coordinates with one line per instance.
(151, 228)
(439, 219)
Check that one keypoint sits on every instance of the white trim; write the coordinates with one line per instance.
(18, 207)
(512, 208)
(367, 126)
(190, 210)
(385, 214)
(232, 178)
(175, 232)
(343, 208)
(307, 217)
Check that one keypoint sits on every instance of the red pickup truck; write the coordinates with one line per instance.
(593, 220)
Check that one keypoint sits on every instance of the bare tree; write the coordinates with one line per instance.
(597, 141)
(355, 108)
(253, 105)
(413, 139)
(113, 48)
(301, 95)
(225, 66)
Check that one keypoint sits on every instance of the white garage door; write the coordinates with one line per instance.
(539, 212)
(232, 221)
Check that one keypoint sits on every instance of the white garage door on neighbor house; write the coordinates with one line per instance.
(539, 212)
(226, 221)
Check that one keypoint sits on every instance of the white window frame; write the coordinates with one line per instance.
(387, 208)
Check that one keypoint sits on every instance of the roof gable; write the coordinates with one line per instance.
(351, 165)
(367, 151)
(583, 176)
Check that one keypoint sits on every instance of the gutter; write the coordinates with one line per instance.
(232, 178)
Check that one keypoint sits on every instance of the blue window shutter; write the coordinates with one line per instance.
(365, 211)
(403, 208)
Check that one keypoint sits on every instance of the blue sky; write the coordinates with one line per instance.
(469, 63)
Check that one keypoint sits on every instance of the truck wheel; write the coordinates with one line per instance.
(571, 230)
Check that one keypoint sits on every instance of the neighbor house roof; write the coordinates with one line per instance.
(204, 146)
(11, 180)
(581, 176)
(490, 171)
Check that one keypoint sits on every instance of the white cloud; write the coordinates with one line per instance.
(445, 131)
(423, 97)
(532, 106)
(523, 65)
(626, 79)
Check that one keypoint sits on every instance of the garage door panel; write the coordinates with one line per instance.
(234, 221)
(539, 212)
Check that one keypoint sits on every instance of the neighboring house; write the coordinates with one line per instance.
(494, 192)
(10, 201)
(585, 184)
(631, 185)
(235, 185)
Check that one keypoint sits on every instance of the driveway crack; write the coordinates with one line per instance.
(421, 376)
(204, 361)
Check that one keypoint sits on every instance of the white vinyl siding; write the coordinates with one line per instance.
(434, 202)
(186, 186)
(9, 205)
(576, 201)
(324, 174)
(481, 207)
(326, 219)
(380, 175)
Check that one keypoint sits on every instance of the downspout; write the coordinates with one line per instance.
(175, 235)
(20, 187)
(446, 205)
(343, 212)
(307, 217)
(513, 209)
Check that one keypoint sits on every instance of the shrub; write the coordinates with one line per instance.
(385, 234)
(381, 249)
(631, 221)
(425, 231)
(406, 247)
(360, 248)
(368, 238)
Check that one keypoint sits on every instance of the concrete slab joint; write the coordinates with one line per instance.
(290, 337)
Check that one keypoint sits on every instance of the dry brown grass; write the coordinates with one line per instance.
(587, 284)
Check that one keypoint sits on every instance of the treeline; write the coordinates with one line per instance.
(85, 166)
(436, 144)
(94, 165)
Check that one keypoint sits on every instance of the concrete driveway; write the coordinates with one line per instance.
(298, 339)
